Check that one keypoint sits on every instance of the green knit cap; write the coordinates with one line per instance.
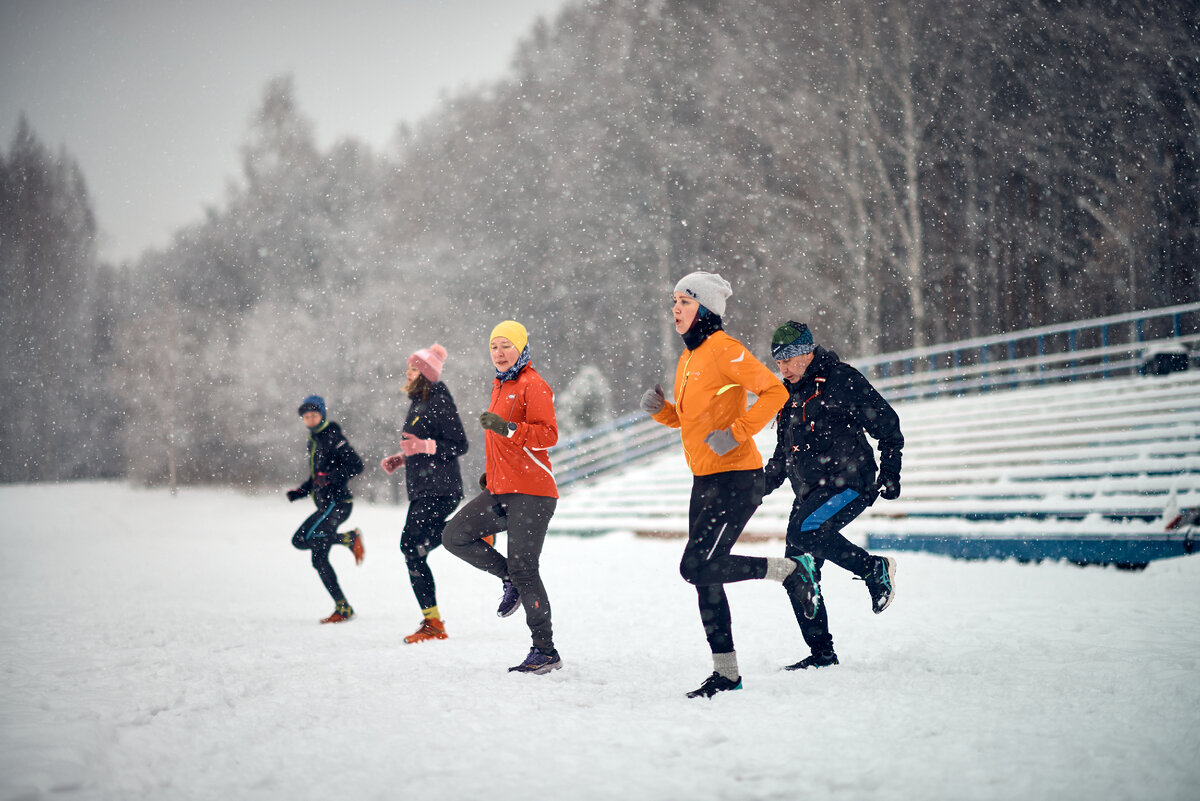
(791, 339)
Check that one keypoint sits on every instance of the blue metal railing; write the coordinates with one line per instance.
(615, 444)
(1086, 349)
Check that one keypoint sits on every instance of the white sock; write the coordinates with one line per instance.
(726, 665)
(779, 568)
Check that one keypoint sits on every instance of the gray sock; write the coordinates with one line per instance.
(779, 568)
(726, 665)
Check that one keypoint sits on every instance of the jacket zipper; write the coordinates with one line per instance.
(804, 406)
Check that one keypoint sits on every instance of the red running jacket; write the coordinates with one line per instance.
(520, 462)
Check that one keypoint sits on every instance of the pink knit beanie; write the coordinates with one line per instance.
(429, 361)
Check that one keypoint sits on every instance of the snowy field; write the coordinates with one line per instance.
(158, 647)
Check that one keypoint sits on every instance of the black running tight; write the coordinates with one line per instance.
(422, 533)
(319, 534)
(721, 505)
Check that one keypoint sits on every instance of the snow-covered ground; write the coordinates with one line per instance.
(167, 648)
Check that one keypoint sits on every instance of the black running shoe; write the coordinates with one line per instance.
(802, 585)
(714, 684)
(509, 600)
(538, 662)
(881, 582)
(819, 659)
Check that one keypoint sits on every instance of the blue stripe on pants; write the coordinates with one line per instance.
(320, 520)
(828, 509)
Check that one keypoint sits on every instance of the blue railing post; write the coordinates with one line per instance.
(1104, 345)
(1012, 358)
(984, 386)
(1071, 349)
(1140, 336)
(1041, 350)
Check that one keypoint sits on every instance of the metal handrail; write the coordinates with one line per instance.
(1033, 333)
(929, 371)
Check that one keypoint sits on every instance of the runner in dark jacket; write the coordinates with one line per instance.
(332, 463)
(431, 442)
(823, 451)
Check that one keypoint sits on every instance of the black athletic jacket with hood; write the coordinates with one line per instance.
(820, 437)
(332, 462)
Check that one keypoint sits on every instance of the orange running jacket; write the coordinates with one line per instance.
(712, 384)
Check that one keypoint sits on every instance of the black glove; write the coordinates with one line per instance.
(653, 400)
(888, 485)
(295, 494)
(483, 481)
(494, 422)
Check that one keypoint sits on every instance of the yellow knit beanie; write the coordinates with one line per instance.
(513, 331)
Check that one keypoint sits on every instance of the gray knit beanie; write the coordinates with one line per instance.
(709, 289)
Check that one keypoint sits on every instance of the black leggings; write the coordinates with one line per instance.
(526, 518)
(319, 534)
(422, 533)
(721, 505)
(815, 527)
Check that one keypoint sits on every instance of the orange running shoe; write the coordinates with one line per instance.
(356, 546)
(341, 613)
(432, 628)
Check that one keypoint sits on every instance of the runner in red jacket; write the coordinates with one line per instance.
(519, 492)
(517, 456)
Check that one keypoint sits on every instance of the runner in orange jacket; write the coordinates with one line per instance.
(713, 381)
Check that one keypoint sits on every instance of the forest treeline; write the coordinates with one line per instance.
(895, 173)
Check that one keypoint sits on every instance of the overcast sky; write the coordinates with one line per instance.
(153, 97)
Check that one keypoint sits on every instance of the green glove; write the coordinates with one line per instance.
(494, 422)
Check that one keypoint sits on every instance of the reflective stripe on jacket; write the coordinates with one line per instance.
(520, 462)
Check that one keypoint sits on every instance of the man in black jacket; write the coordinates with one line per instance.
(332, 463)
(822, 449)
